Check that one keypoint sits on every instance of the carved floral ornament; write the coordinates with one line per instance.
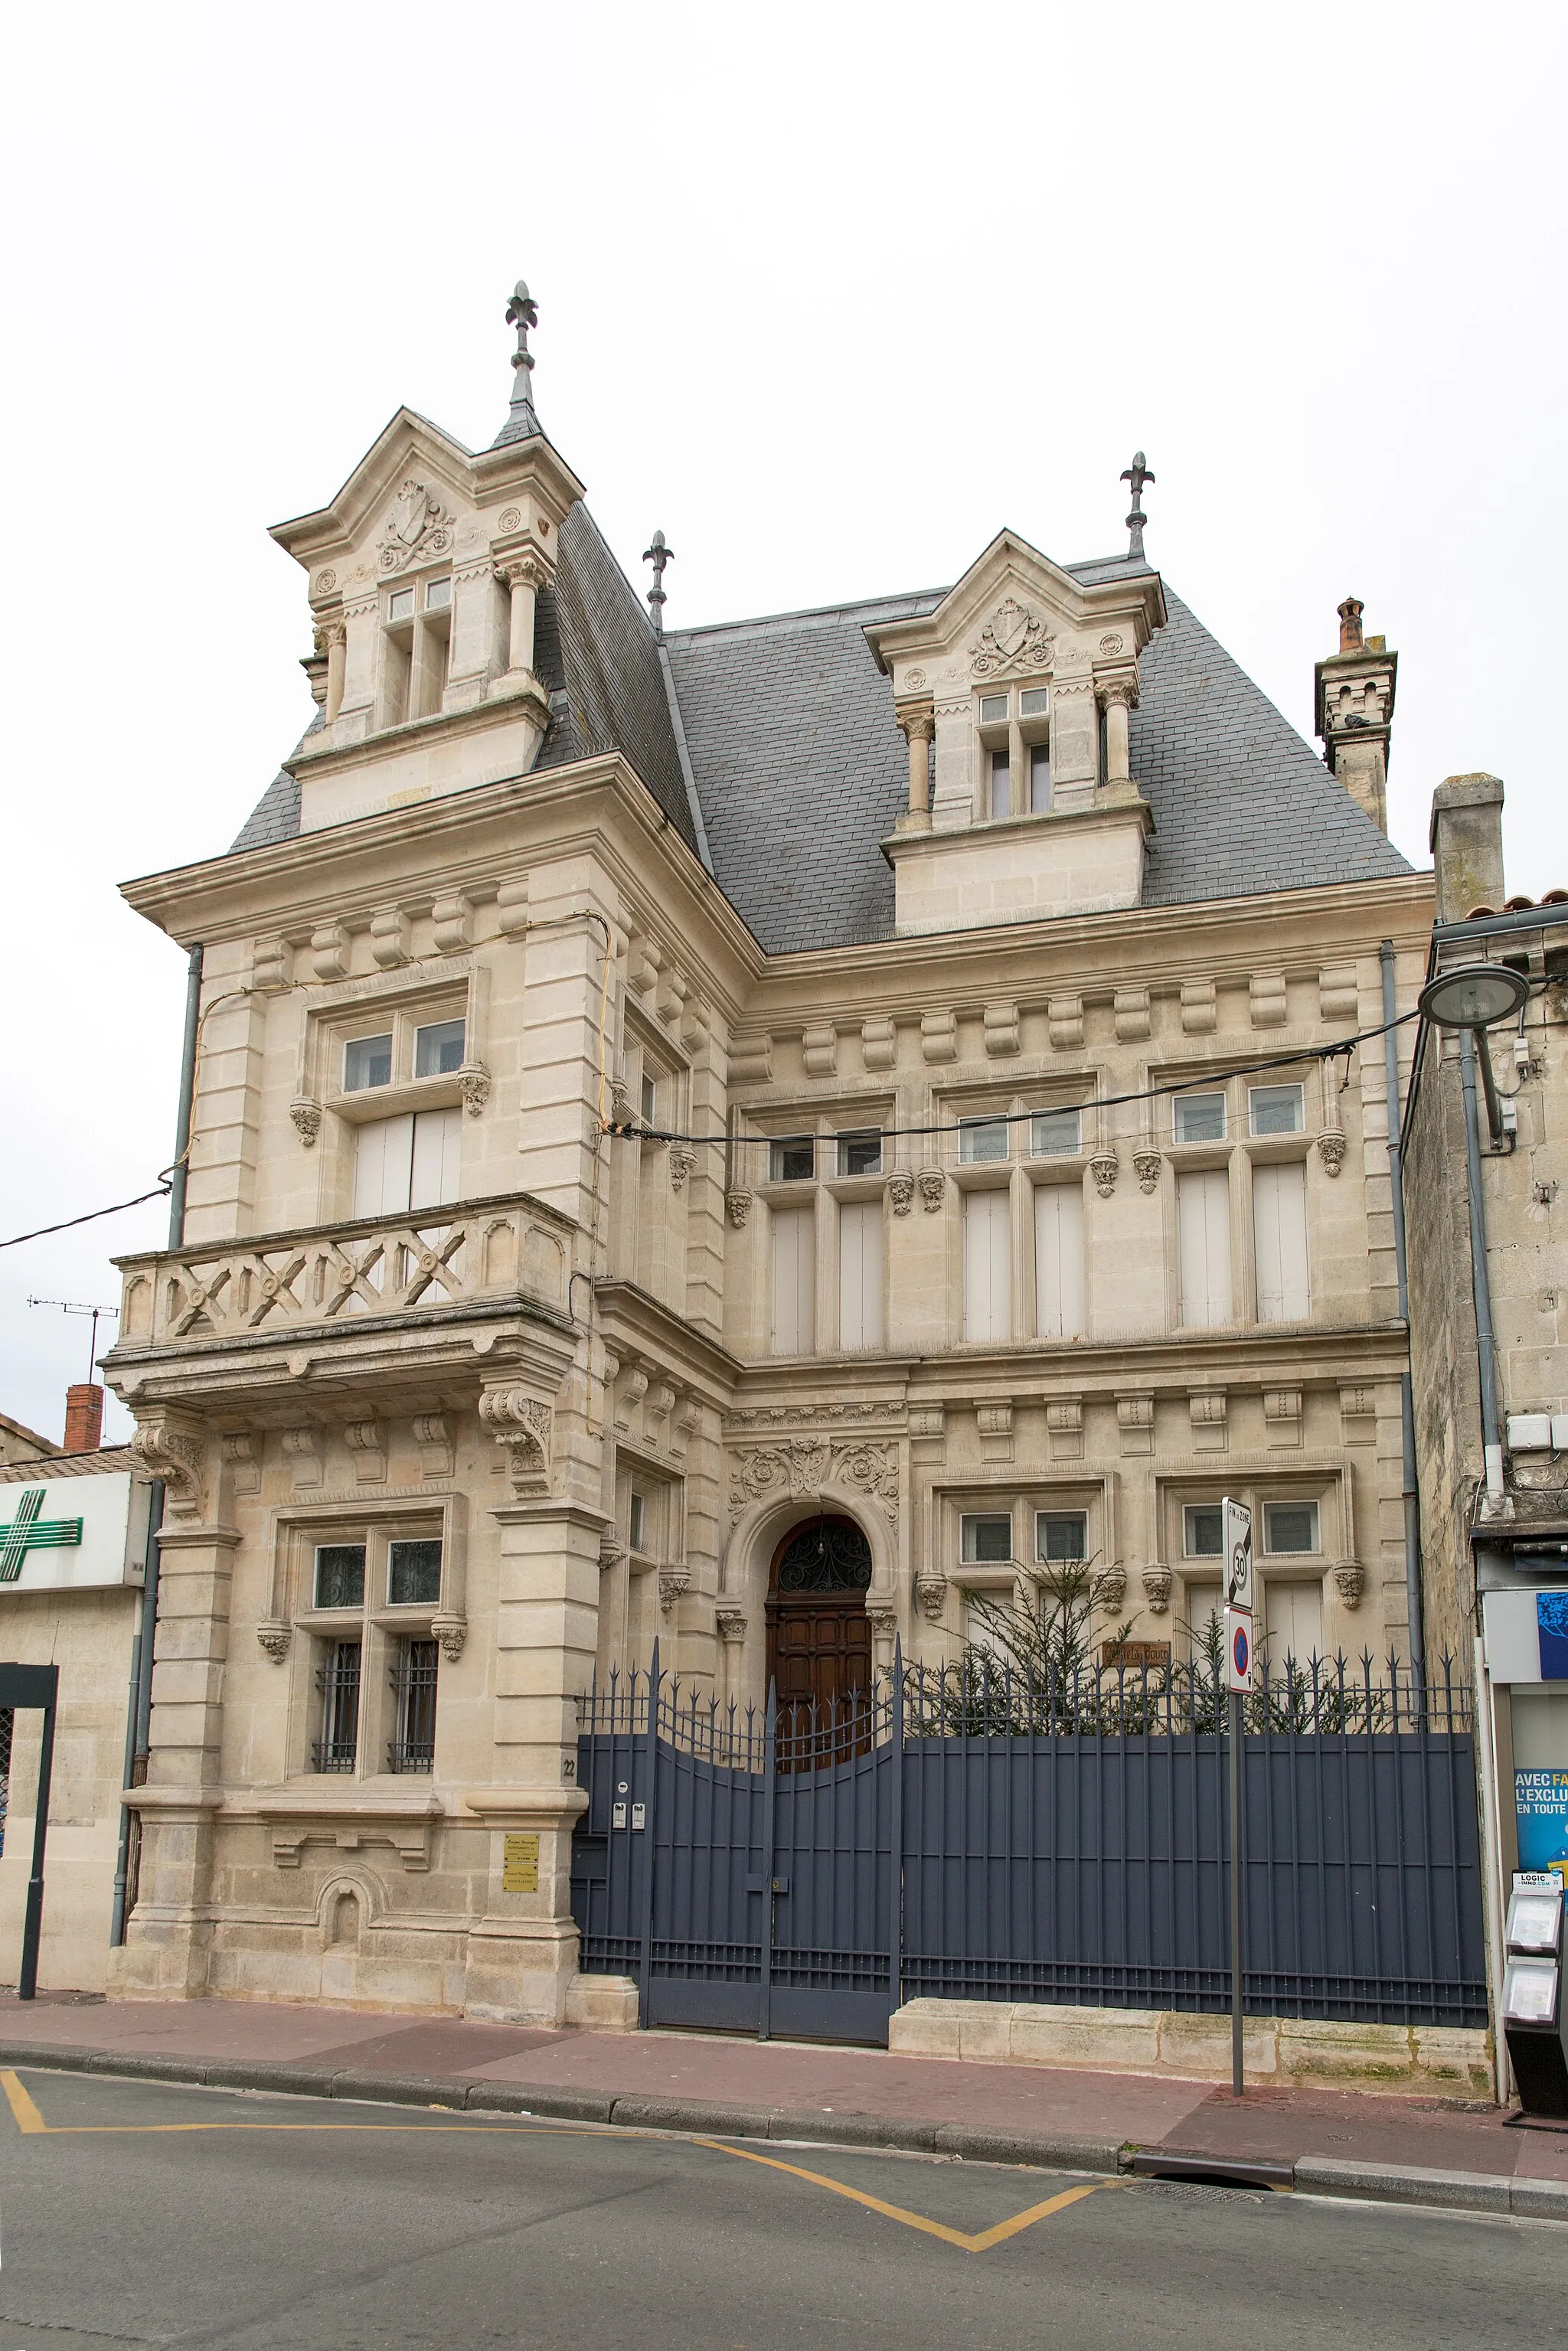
(1013, 641)
(521, 1424)
(803, 1465)
(174, 1452)
(418, 527)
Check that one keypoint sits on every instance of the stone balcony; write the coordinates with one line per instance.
(400, 1298)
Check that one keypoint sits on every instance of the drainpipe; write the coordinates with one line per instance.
(187, 1093)
(1491, 1426)
(139, 1707)
(1412, 1494)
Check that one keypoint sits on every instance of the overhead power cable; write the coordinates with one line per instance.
(633, 1130)
(159, 1192)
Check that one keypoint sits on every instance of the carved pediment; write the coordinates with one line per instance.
(418, 527)
(1014, 642)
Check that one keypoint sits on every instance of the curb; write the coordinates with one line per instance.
(1388, 2183)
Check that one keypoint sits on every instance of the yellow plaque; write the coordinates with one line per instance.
(520, 1865)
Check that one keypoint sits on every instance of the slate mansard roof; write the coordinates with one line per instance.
(771, 746)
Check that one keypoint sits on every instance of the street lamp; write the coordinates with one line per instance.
(1478, 995)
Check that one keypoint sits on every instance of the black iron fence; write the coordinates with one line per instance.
(970, 1832)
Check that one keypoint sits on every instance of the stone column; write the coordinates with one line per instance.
(524, 576)
(1118, 696)
(919, 726)
(168, 1938)
(336, 634)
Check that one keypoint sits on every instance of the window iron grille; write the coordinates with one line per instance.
(412, 1682)
(338, 1680)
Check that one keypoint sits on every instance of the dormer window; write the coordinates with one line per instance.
(416, 641)
(1015, 745)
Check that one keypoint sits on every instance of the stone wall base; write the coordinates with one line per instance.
(1279, 2052)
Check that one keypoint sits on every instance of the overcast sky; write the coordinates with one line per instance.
(830, 294)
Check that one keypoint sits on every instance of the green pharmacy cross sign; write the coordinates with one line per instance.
(27, 1533)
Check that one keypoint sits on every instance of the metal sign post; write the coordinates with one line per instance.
(35, 1686)
(1238, 1679)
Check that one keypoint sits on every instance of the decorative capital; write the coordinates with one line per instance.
(1146, 1167)
(1119, 692)
(917, 722)
(884, 1623)
(731, 1623)
(1105, 1167)
(932, 1183)
(528, 569)
(1331, 1151)
(307, 1117)
(901, 1192)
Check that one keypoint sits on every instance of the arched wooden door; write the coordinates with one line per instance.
(818, 1634)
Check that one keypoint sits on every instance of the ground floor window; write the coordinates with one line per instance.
(338, 1681)
(412, 1747)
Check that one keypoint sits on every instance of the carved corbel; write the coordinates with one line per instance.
(1332, 1150)
(683, 1159)
(931, 1591)
(367, 1451)
(434, 1438)
(933, 1183)
(238, 1449)
(901, 1192)
(612, 1550)
(301, 1451)
(274, 1637)
(474, 1084)
(1157, 1589)
(171, 1446)
(1105, 1167)
(1351, 1578)
(738, 1201)
(307, 1117)
(675, 1582)
(521, 1425)
(450, 1631)
(1147, 1167)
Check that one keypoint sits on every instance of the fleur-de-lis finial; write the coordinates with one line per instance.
(522, 421)
(1137, 473)
(658, 554)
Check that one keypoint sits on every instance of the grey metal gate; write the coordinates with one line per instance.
(966, 1835)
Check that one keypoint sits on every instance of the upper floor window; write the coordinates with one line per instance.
(1015, 746)
(793, 1160)
(1277, 1109)
(1061, 1536)
(1203, 1530)
(1290, 1528)
(1054, 1131)
(982, 1142)
(433, 1049)
(859, 1154)
(416, 637)
(986, 1537)
(650, 1098)
(1200, 1118)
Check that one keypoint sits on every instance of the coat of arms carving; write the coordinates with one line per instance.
(418, 527)
(1013, 639)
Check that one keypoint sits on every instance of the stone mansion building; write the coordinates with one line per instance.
(746, 1136)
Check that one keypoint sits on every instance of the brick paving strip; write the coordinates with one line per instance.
(1354, 2143)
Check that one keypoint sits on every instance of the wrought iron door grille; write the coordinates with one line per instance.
(338, 1680)
(412, 1678)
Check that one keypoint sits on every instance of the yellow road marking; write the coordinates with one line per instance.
(982, 2244)
(31, 2122)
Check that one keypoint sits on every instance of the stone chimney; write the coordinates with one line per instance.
(1355, 712)
(1466, 842)
(84, 1417)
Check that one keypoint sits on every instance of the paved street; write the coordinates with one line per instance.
(133, 2213)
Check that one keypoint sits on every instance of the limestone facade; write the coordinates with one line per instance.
(568, 1401)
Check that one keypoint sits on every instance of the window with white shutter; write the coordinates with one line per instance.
(988, 1266)
(794, 1320)
(860, 1274)
(1293, 1621)
(1280, 1227)
(408, 1162)
(1203, 1218)
(1059, 1261)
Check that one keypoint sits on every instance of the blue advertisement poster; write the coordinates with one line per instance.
(1551, 1626)
(1541, 1798)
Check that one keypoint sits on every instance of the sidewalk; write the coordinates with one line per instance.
(736, 2087)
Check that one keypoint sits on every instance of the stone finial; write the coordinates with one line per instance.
(1349, 632)
(1137, 473)
(658, 553)
(522, 421)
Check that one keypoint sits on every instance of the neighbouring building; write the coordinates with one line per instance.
(748, 1136)
(1489, 1314)
(19, 1444)
(73, 1556)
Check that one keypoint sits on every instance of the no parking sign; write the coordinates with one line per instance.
(1240, 1658)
